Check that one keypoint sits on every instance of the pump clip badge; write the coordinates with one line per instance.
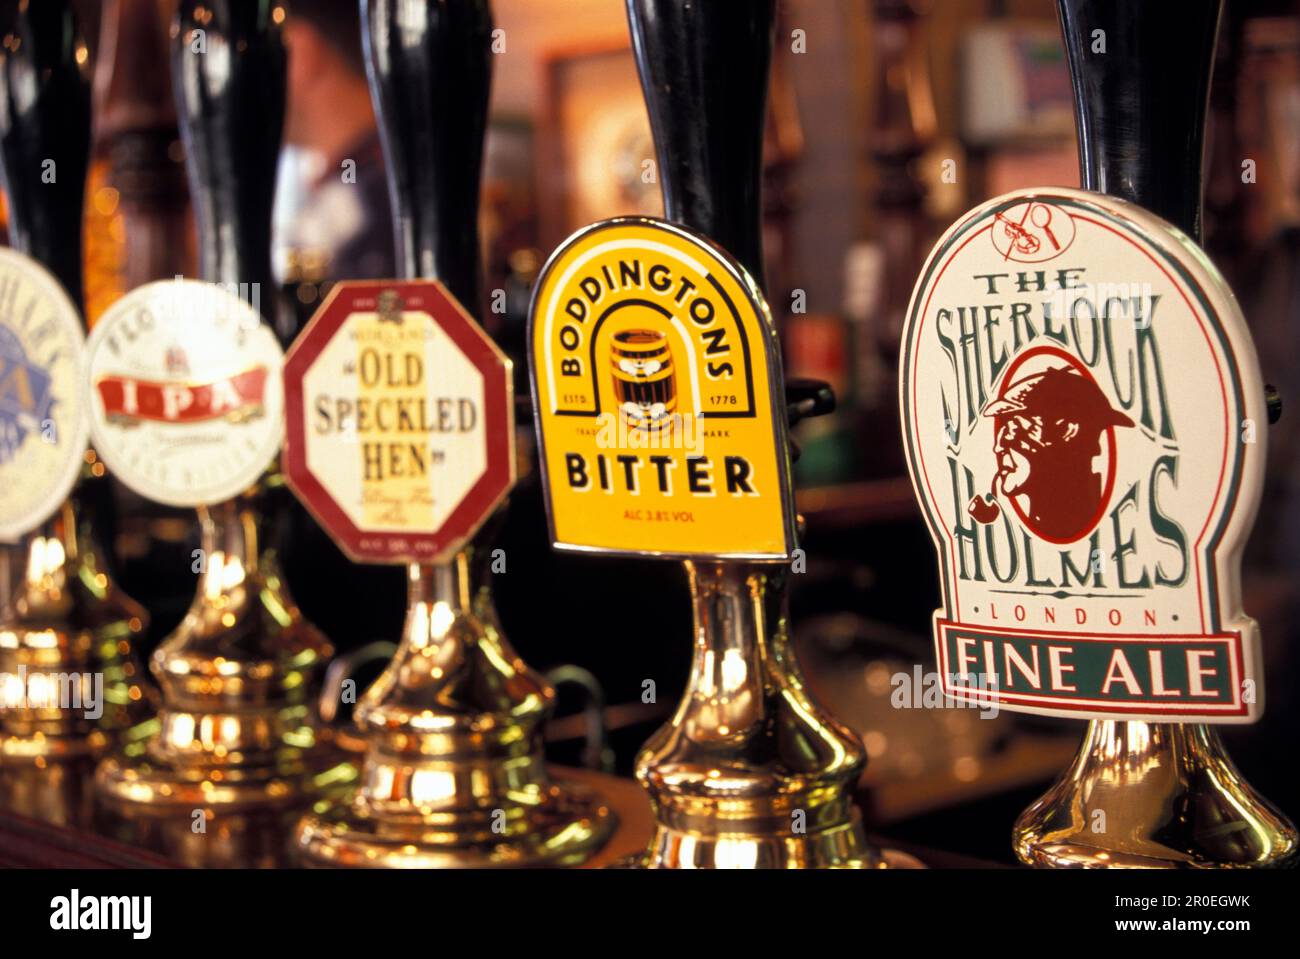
(185, 397)
(43, 422)
(400, 416)
(658, 395)
(1085, 429)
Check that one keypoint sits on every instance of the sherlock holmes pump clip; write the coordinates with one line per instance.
(1085, 426)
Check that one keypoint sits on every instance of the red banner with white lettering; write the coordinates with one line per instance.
(234, 397)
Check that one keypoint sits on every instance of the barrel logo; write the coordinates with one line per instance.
(642, 366)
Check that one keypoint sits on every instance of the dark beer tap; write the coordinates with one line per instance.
(228, 73)
(1141, 97)
(45, 137)
(704, 71)
(1141, 78)
(244, 660)
(430, 79)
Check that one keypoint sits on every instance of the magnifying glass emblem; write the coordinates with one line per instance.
(1041, 216)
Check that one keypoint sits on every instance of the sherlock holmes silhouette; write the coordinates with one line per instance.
(1048, 429)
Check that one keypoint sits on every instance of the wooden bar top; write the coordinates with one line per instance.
(49, 819)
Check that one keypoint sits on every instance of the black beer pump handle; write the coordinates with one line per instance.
(228, 73)
(430, 73)
(704, 71)
(1141, 75)
(45, 137)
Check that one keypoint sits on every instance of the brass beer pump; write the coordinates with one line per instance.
(454, 775)
(61, 613)
(1171, 795)
(239, 674)
(748, 754)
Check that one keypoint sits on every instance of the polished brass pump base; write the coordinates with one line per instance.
(556, 824)
(842, 846)
(453, 775)
(293, 777)
(750, 773)
(1148, 795)
(67, 642)
(237, 727)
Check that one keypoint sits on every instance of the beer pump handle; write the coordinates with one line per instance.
(228, 74)
(1141, 76)
(430, 73)
(1141, 94)
(45, 138)
(704, 71)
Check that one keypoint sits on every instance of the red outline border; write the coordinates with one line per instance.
(498, 417)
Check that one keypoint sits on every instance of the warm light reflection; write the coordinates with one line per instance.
(229, 729)
(729, 854)
(735, 671)
(11, 690)
(38, 692)
(432, 785)
(45, 639)
(106, 200)
(441, 618)
(212, 587)
(180, 730)
(705, 682)
(46, 554)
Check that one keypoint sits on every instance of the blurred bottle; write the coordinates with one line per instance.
(817, 346)
(138, 219)
(880, 269)
(138, 227)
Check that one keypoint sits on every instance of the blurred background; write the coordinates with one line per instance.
(887, 119)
